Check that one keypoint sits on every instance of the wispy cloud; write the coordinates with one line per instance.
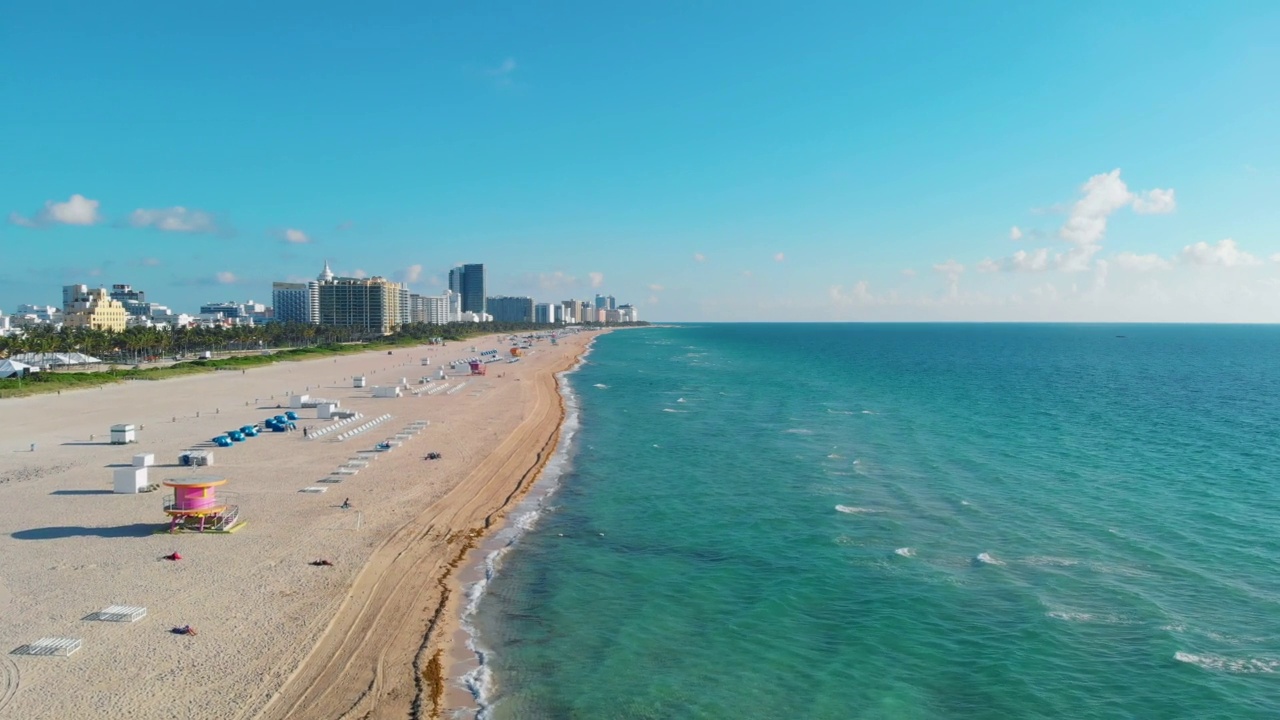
(656, 288)
(909, 272)
(780, 257)
(77, 210)
(226, 278)
(699, 257)
(344, 226)
(597, 279)
(1140, 263)
(409, 275)
(1155, 202)
(952, 270)
(294, 236)
(1015, 233)
(173, 219)
(504, 74)
(150, 262)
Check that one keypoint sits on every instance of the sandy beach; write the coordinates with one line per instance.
(368, 637)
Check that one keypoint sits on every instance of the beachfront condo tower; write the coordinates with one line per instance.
(511, 309)
(370, 304)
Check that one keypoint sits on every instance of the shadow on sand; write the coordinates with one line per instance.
(82, 492)
(135, 530)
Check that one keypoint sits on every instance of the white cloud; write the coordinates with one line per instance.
(77, 210)
(359, 274)
(226, 278)
(557, 280)
(1225, 254)
(746, 273)
(294, 236)
(151, 262)
(597, 279)
(653, 299)
(656, 288)
(779, 257)
(699, 257)
(987, 265)
(1140, 263)
(1015, 233)
(1102, 195)
(1155, 202)
(1275, 258)
(502, 75)
(909, 272)
(173, 219)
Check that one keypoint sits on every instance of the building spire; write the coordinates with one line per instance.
(327, 275)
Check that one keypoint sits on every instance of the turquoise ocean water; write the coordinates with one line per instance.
(904, 521)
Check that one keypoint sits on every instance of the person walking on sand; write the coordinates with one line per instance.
(346, 504)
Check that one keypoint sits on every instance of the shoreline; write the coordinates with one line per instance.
(502, 478)
(468, 670)
(278, 637)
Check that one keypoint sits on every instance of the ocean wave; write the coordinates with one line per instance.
(833, 456)
(851, 510)
(1246, 665)
(868, 412)
(905, 552)
(679, 400)
(797, 431)
(839, 412)
(602, 386)
(986, 559)
(673, 410)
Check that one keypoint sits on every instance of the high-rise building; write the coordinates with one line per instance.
(468, 281)
(72, 293)
(370, 304)
(98, 311)
(296, 302)
(549, 313)
(225, 309)
(569, 309)
(605, 302)
(628, 313)
(511, 309)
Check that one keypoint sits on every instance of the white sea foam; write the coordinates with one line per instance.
(851, 510)
(797, 431)
(905, 552)
(680, 400)
(602, 386)
(986, 559)
(1050, 561)
(868, 412)
(834, 456)
(839, 412)
(673, 410)
(479, 679)
(1247, 665)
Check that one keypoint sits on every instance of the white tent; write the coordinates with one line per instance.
(9, 368)
(43, 359)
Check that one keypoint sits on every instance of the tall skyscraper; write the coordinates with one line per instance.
(468, 281)
(96, 310)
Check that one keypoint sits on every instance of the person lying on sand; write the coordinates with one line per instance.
(184, 630)
(322, 563)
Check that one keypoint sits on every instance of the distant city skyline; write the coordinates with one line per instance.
(839, 161)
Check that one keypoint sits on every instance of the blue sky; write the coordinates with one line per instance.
(730, 161)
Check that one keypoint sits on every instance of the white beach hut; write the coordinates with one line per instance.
(358, 381)
(123, 434)
(130, 480)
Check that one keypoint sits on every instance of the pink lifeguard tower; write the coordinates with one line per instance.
(196, 506)
(477, 367)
